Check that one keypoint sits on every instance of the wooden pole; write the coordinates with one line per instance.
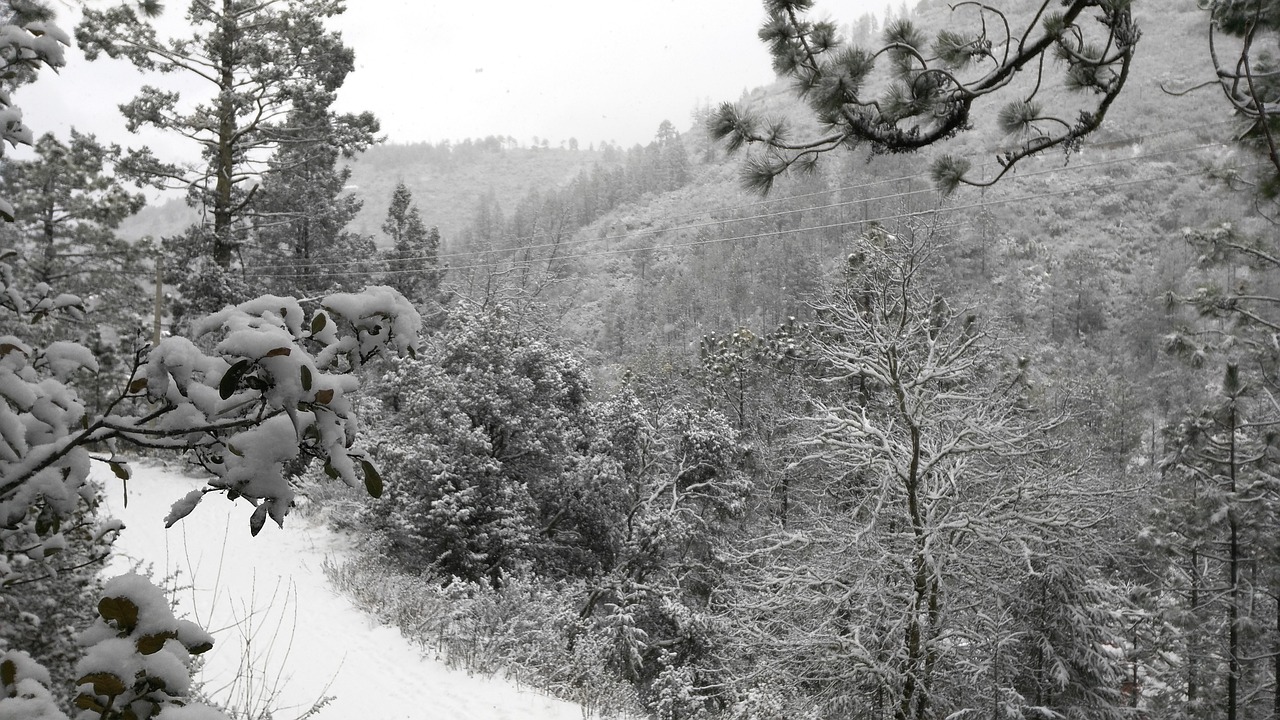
(155, 328)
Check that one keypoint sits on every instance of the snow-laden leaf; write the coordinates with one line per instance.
(120, 610)
(153, 643)
(104, 683)
(183, 507)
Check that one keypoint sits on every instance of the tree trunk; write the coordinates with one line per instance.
(1233, 609)
(223, 242)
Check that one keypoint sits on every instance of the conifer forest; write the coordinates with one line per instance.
(937, 380)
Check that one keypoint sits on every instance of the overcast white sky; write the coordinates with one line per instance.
(589, 69)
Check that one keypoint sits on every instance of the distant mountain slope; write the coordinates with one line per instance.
(159, 219)
(1070, 245)
(446, 183)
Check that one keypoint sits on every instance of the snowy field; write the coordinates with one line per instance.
(266, 600)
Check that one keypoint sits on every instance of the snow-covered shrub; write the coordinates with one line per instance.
(529, 629)
(685, 488)
(24, 693)
(772, 702)
(488, 438)
(42, 612)
(275, 385)
(676, 695)
(137, 654)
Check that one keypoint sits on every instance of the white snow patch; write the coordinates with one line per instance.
(307, 641)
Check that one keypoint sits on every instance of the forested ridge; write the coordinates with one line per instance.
(728, 424)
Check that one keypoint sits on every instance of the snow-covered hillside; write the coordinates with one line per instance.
(266, 599)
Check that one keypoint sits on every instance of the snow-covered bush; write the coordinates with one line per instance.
(24, 50)
(488, 436)
(530, 629)
(136, 664)
(137, 654)
(43, 612)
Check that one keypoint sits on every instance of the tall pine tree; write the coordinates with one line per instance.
(257, 60)
(300, 243)
(413, 261)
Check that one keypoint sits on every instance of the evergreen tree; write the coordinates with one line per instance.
(31, 41)
(301, 244)
(68, 204)
(673, 158)
(412, 261)
(1214, 530)
(487, 437)
(257, 59)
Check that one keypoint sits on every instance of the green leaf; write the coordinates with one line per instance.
(120, 469)
(104, 683)
(258, 519)
(8, 673)
(47, 522)
(318, 322)
(152, 644)
(88, 702)
(120, 610)
(330, 470)
(306, 378)
(230, 381)
(372, 481)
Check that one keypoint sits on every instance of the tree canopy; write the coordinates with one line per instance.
(259, 60)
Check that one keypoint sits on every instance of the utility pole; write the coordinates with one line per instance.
(159, 311)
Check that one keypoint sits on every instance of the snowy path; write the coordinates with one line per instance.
(323, 645)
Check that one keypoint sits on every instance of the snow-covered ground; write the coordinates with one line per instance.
(267, 599)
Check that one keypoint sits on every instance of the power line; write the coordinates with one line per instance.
(777, 233)
(696, 226)
(539, 246)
